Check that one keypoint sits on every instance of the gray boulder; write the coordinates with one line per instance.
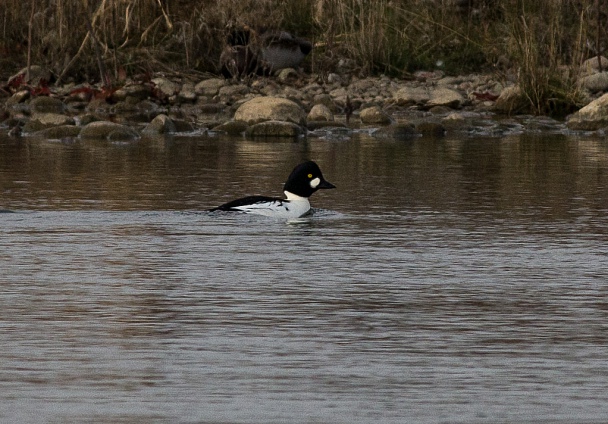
(595, 82)
(374, 115)
(592, 65)
(397, 132)
(445, 97)
(44, 104)
(105, 130)
(41, 121)
(187, 94)
(510, 100)
(232, 127)
(262, 109)
(407, 96)
(161, 124)
(320, 112)
(431, 129)
(135, 91)
(591, 117)
(62, 131)
(19, 97)
(166, 86)
(274, 129)
(209, 87)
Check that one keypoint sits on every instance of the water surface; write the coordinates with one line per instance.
(452, 280)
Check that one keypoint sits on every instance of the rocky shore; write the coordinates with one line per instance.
(290, 104)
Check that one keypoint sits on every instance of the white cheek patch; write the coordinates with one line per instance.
(315, 182)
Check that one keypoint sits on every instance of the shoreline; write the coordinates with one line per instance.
(428, 104)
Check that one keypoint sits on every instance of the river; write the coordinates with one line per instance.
(453, 280)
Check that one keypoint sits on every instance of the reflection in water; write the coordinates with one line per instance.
(443, 281)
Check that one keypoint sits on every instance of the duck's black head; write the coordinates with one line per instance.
(305, 179)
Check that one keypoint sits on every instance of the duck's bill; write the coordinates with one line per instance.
(326, 184)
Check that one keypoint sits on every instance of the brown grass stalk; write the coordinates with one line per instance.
(388, 36)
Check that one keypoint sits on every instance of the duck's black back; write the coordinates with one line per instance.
(249, 200)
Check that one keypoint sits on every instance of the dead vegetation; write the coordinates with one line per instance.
(542, 44)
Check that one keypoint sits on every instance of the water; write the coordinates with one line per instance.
(456, 280)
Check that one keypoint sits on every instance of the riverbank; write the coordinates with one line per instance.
(429, 103)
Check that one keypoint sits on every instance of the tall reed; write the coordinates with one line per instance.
(545, 40)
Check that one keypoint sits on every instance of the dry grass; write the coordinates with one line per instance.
(544, 41)
(548, 47)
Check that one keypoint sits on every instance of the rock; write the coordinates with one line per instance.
(232, 127)
(138, 91)
(315, 125)
(363, 85)
(274, 129)
(592, 65)
(209, 87)
(41, 121)
(397, 131)
(288, 75)
(374, 115)
(595, 82)
(187, 94)
(147, 106)
(591, 117)
(108, 131)
(231, 92)
(166, 86)
(431, 129)
(445, 81)
(161, 124)
(132, 91)
(270, 90)
(85, 119)
(334, 78)
(211, 108)
(62, 131)
(183, 126)
(338, 93)
(510, 100)
(123, 108)
(445, 97)
(460, 120)
(18, 97)
(99, 106)
(408, 96)
(44, 104)
(440, 110)
(325, 99)
(313, 89)
(262, 109)
(320, 112)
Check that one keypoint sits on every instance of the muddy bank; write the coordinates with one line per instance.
(290, 104)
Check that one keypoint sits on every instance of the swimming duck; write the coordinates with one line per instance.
(304, 180)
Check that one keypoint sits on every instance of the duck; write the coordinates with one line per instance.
(305, 179)
(282, 50)
(247, 52)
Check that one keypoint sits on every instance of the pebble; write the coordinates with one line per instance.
(371, 101)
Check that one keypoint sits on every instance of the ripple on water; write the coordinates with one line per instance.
(448, 281)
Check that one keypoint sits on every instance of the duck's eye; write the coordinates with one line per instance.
(309, 175)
